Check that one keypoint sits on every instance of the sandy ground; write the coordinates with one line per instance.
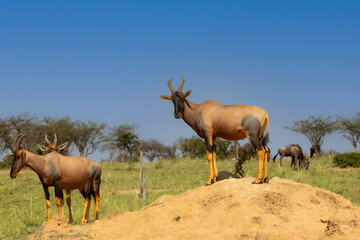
(229, 209)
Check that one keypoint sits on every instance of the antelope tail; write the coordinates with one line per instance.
(275, 157)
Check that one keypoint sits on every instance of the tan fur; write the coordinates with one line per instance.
(72, 174)
(213, 119)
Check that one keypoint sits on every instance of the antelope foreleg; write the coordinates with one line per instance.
(209, 157)
(60, 204)
(47, 197)
(59, 198)
(68, 201)
(48, 210)
(216, 174)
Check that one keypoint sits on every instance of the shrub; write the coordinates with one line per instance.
(7, 161)
(347, 159)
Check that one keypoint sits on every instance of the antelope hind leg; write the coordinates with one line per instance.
(85, 216)
(68, 201)
(96, 187)
(261, 155)
(266, 178)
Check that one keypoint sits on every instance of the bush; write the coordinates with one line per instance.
(347, 159)
(7, 161)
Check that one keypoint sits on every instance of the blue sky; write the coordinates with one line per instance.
(108, 61)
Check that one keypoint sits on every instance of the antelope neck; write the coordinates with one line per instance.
(190, 114)
(35, 162)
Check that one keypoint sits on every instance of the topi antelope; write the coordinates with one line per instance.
(52, 146)
(211, 119)
(62, 172)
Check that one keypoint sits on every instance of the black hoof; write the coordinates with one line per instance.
(256, 182)
(207, 185)
(266, 180)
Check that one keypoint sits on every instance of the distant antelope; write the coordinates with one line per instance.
(53, 147)
(296, 153)
(62, 172)
(211, 119)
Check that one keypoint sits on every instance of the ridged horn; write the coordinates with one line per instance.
(181, 84)
(170, 86)
(55, 139)
(47, 140)
(17, 141)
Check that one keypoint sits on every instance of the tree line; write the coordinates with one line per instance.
(123, 143)
(316, 128)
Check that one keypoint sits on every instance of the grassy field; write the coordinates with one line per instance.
(22, 201)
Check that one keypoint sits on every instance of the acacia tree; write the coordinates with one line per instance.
(122, 140)
(193, 147)
(315, 129)
(152, 149)
(14, 125)
(87, 136)
(350, 129)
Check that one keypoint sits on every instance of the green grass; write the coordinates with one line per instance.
(22, 208)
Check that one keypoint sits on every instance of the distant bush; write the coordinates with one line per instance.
(159, 164)
(7, 161)
(347, 160)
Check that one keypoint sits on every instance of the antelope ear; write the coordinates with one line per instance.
(41, 147)
(165, 97)
(63, 146)
(187, 93)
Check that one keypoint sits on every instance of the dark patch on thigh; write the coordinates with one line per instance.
(94, 172)
(252, 125)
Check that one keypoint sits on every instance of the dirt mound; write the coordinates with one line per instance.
(230, 209)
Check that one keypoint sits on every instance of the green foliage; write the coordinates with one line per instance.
(127, 141)
(14, 125)
(350, 129)
(193, 147)
(347, 160)
(122, 140)
(315, 129)
(222, 149)
(7, 161)
(87, 136)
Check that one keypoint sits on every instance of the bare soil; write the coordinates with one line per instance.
(229, 209)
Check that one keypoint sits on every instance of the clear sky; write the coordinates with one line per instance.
(108, 61)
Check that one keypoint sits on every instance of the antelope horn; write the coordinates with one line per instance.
(17, 141)
(55, 138)
(170, 86)
(181, 84)
(47, 140)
